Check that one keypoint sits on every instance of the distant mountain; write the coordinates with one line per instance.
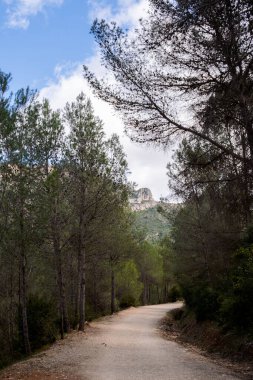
(154, 225)
(142, 199)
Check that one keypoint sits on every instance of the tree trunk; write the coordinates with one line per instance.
(77, 296)
(94, 295)
(112, 291)
(158, 294)
(82, 259)
(149, 293)
(245, 181)
(82, 289)
(165, 292)
(81, 273)
(247, 121)
(145, 290)
(11, 308)
(62, 297)
(65, 326)
(23, 285)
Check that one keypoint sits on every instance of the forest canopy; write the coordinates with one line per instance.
(185, 76)
(68, 249)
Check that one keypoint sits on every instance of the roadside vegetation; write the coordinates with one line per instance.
(152, 223)
(185, 77)
(68, 249)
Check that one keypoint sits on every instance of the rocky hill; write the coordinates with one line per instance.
(154, 224)
(142, 199)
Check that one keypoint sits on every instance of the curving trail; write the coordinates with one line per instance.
(126, 346)
(129, 347)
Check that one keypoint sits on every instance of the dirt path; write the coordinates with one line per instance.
(122, 347)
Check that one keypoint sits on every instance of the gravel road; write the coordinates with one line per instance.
(126, 346)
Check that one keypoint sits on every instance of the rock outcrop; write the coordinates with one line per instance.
(142, 199)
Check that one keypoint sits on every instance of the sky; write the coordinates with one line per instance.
(44, 44)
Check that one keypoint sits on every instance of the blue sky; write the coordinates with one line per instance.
(44, 44)
(58, 34)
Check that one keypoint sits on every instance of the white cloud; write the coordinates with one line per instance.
(19, 12)
(125, 12)
(147, 164)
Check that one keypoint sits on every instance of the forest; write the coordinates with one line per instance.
(68, 250)
(183, 80)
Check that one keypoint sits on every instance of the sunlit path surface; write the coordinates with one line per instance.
(128, 346)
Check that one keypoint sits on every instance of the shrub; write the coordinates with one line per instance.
(203, 300)
(236, 310)
(127, 301)
(42, 321)
(174, 293)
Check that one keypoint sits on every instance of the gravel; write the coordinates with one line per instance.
(125, 346)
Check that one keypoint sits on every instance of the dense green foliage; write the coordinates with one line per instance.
(236, 310)
(68, 249)
(43, 321)
(198, 93)
(129, 286)
(153, 224)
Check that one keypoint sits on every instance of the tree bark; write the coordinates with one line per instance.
(158, 294)
(11, 313)
(112, 291)
(65, 326)
(81, 273)
(23, 285)
(94, 295)
(246, 200)
(82, 289)
(145, 290)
